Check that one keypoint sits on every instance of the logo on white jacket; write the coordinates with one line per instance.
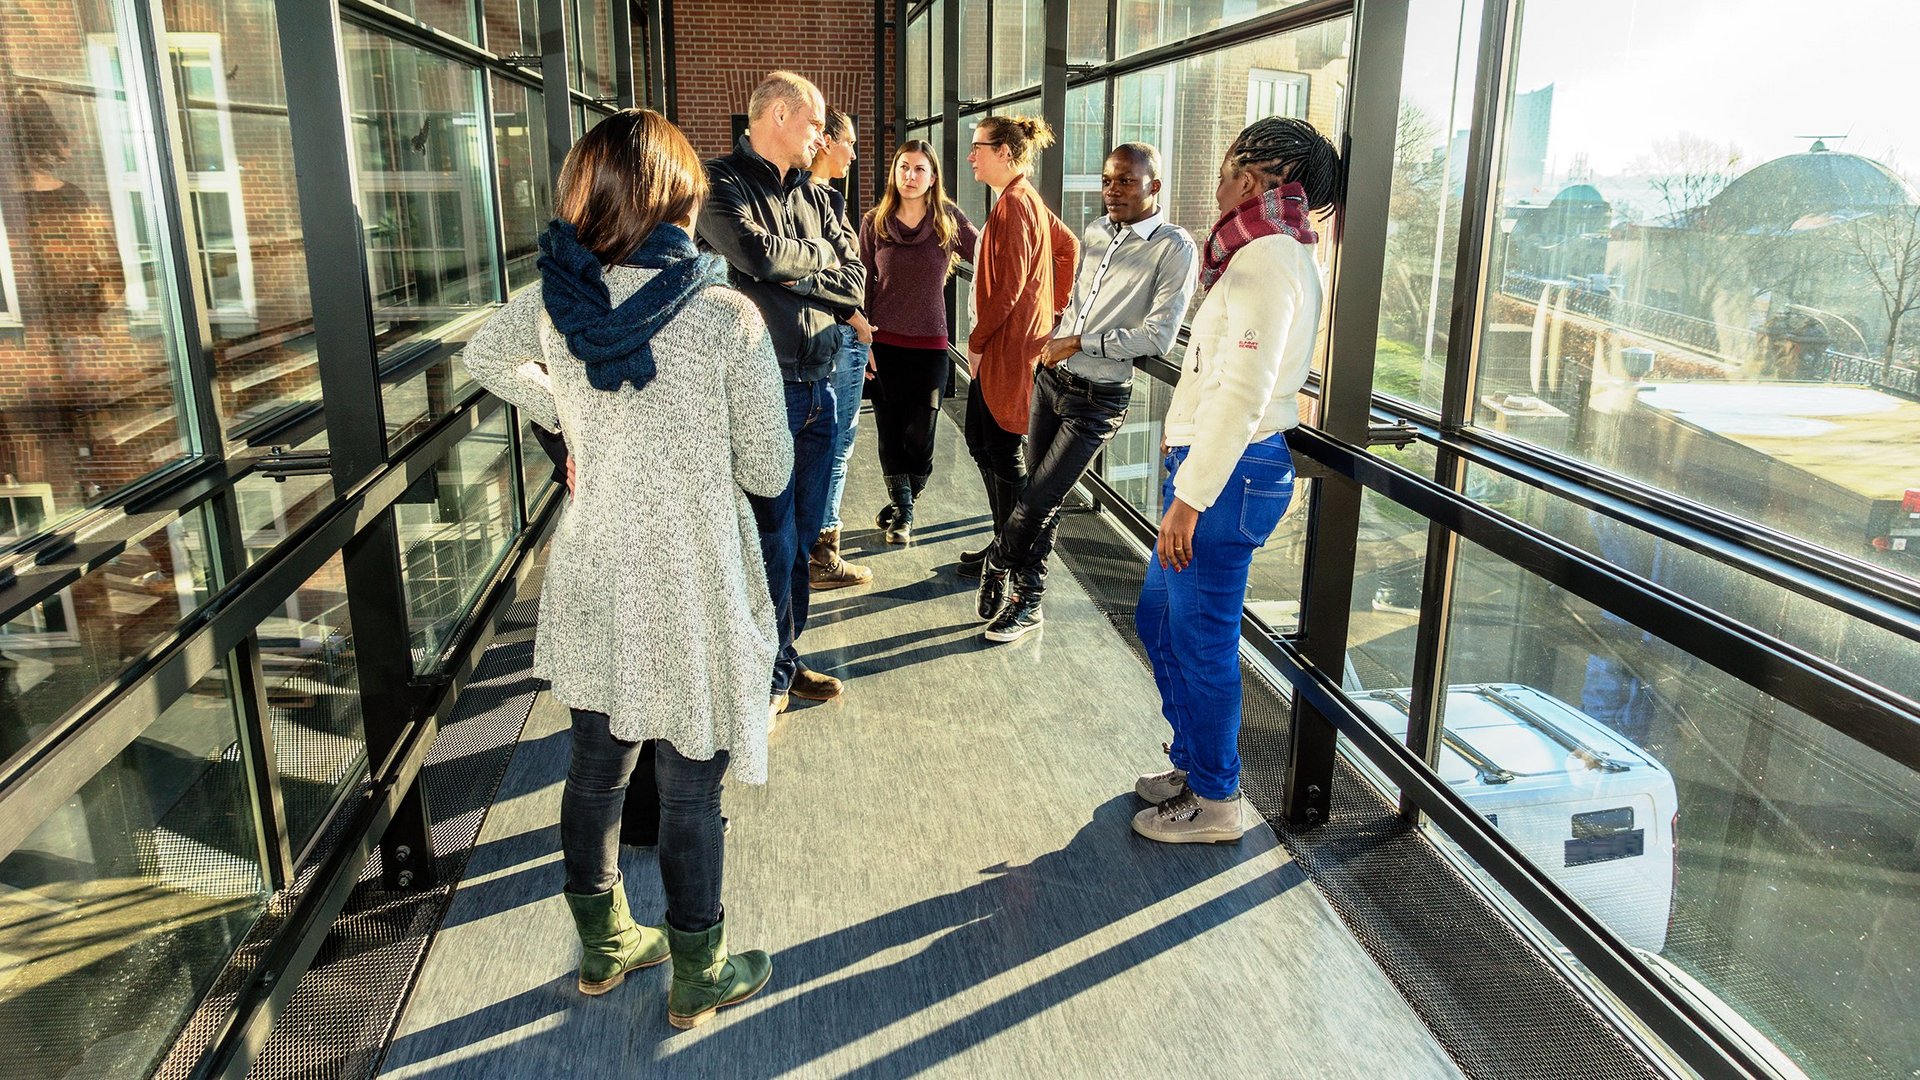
(1250, 340)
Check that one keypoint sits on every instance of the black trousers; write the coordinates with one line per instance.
(998, 452)
(906, 404)
(1072, 419)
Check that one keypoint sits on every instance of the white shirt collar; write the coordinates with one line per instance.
(1144, 228)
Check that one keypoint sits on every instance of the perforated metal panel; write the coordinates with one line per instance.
(339, 1021)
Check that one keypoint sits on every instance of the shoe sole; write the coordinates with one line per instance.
(1004, 636)
(685, 1023)
(893, 536)
(1142, 791)
(593, 989)
(804, 696)
(838, 583)
(1195, 838)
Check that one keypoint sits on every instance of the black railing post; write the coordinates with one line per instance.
(313, 54)
(1347, 388)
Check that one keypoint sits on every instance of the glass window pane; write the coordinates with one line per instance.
(536, 467)
(418, 144)
(1710, 303)
(313, 700)
(937, 58)
(1738, 842)
(919, 93)
(973, 50)
(526, 195)
(1177, 108)
(513, 26)
(1131, 463)
(58, 652)
(1019, 44)
(1084, 145)
(453, 16)
(450, 546)
(593, 70)
(119, 910)
(1389, 558)
(1144, 26)
(1429, 167)
(1086, 31)
(88, 384)
(968, 193)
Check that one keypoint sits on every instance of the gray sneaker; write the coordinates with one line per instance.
(1189, 819)
(1158, 787)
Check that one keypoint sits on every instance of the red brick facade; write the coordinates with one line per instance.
(723, 49)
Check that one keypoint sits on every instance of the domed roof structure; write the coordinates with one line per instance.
(1802, 192)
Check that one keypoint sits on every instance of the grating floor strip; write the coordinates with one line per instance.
(339, 1021)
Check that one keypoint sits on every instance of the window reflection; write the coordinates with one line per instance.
(1152, 23)
(119, 910)
(1083, 144)
(1191, 110)
(1717, 303)
(974, 33)
(423, 187)
(1019, 44)
(513, 26)
(593, 72)
(88, 397)
(451, 542)
(526, 195)
(313, 700)
(1734, 839)
(235, 148)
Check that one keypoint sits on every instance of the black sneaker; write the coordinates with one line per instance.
(992, 594)
(1019, 616)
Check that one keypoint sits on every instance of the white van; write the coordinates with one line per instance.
(1587, 805)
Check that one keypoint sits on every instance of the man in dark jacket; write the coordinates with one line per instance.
(789, 251)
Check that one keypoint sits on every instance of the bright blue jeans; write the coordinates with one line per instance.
(1189, 620)
(849, 382)
(790, 521)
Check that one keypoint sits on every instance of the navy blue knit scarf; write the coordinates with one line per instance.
(616, 342)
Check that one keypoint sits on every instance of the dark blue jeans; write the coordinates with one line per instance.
(1189, 620)
(692, 837)
(790, 521)
(849, 381)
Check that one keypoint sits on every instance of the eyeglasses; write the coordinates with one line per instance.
(984, 145)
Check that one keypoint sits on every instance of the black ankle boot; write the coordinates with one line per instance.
(993, 587)
(899, 526)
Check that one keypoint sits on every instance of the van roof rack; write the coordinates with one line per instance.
(1489, 771)
(1575, 747)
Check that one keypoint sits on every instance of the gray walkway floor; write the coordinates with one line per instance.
(942, 869)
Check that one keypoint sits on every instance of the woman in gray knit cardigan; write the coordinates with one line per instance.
(665, 383)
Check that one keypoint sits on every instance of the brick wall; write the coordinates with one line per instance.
(723, 49)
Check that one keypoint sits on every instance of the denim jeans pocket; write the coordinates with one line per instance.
(1263, 502)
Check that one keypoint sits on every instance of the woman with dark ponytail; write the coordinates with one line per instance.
(1229, 476)
(1022, 280)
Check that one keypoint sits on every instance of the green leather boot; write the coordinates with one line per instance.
(706, 977)
(611, 943)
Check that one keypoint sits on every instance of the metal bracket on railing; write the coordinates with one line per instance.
(281, 463)
(1397, 433)
(522, 60)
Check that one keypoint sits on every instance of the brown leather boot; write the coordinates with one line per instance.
(827, 570)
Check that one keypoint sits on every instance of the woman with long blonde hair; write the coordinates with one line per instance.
(910, 242)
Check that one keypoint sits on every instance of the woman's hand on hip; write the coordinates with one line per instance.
(1175, 545)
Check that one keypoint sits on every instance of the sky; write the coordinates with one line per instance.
(1757, 73)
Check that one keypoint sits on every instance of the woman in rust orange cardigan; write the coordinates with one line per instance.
(1022, 275)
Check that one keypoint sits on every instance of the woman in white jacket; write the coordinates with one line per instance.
(1229, 476)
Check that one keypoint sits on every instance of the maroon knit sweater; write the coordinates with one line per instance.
(906, 271)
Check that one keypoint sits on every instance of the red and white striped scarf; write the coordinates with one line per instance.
(1276, 210)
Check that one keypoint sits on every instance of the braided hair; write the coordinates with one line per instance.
(1282, 149)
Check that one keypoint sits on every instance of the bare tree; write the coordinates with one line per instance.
(1687, 170)
(1886, 246)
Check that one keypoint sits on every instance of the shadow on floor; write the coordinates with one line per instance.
(1013, 915)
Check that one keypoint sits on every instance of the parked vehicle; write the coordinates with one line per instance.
(1584, 803)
